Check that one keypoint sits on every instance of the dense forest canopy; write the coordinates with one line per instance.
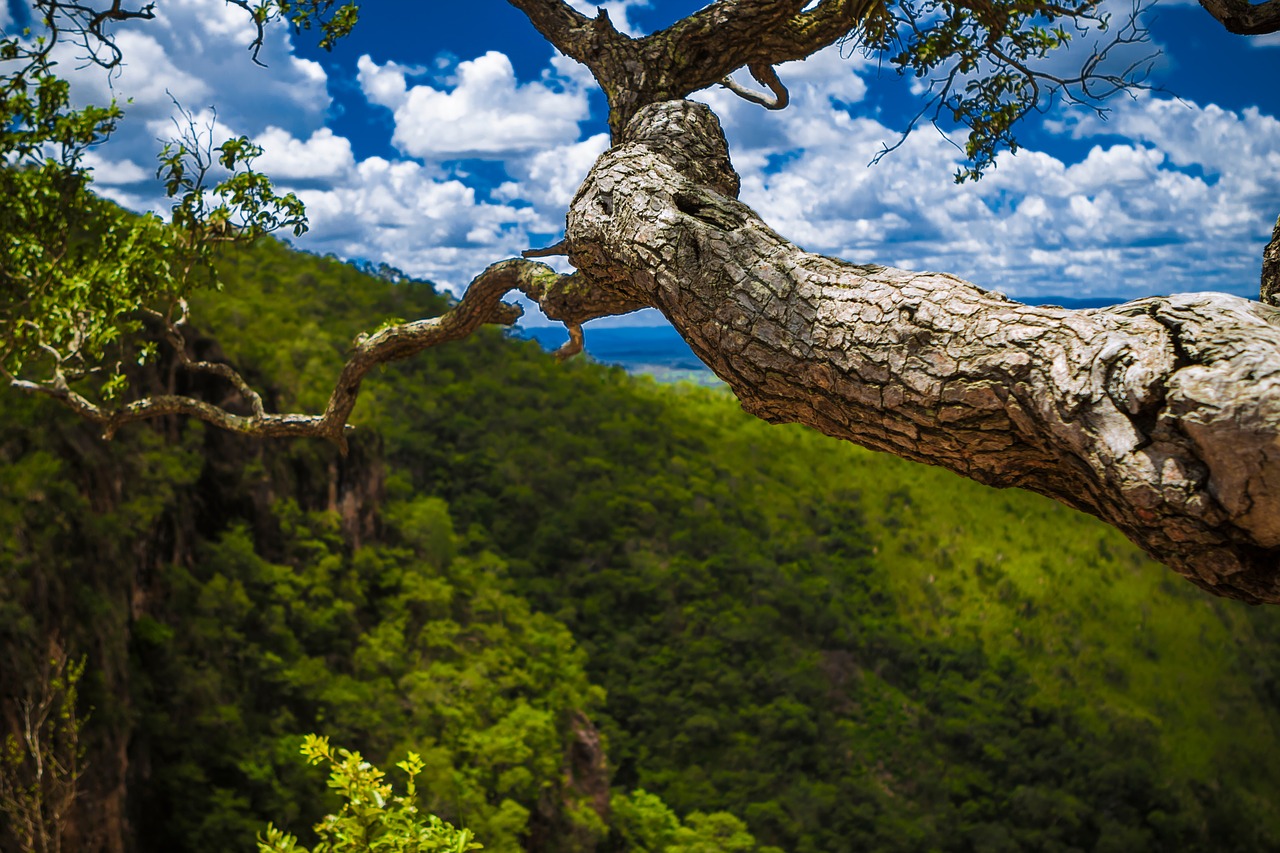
(1123, 412)
(607, 616)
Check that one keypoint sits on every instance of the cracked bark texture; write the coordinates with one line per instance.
(1244, 18)
(697, 51)
(1161, 416)
(1270, 293)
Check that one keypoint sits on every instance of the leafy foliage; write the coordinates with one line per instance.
(984, 65)
(406, 648)
(78, 277)
(373, 818)
(757, 603)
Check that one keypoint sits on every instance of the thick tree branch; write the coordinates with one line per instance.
(1244, 18)
(1162, 417)
(1271, 269)
(704, 47)
(562, 25)
(698, 51)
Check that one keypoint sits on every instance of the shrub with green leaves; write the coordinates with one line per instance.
(373, 818)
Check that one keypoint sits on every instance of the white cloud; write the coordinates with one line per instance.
(1185, 204)
(1218, 140)
(145, 85)
(1118, 166)
(196, 52)
(548, 179)
(483, 112)
(323, 156)
(402, 213)
(1167, 197)
(212, 42)
(411, 214)
(110, 172)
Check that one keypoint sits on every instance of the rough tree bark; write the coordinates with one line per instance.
(1271, 269)
(1244, 18)
(1162, 416)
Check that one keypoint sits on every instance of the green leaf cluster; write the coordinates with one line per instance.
(373, 818)
(81, 280)
(981, 63)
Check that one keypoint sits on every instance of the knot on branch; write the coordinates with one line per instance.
(688, 136)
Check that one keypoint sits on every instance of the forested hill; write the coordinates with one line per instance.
(610, 614)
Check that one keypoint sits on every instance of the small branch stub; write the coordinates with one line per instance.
(766, 76)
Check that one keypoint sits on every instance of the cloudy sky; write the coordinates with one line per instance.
(444, 136)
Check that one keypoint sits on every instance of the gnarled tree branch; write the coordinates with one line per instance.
(562, 25)
(1270, 292)
(564, 298)
(704, 47)
(1161, 417)
(1244, 18)
(698, 51)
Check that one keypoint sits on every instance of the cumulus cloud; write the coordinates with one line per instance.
(196, 52)
(411, 214)
(481, 110)
(323, 156)
(1166, 196)
(1170, 197)
(192, 59)
(399, 211)
(1218, 140)
(548, 179)
(114, 172)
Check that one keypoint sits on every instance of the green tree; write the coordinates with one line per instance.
(643, 823)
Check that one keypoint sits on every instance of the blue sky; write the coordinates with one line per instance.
(444, 136)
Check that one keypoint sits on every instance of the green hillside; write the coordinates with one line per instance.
(594, 603)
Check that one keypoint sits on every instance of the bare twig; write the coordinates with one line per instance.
(767, 76)
(555, 250)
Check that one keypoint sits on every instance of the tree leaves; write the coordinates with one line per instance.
(373, 818)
